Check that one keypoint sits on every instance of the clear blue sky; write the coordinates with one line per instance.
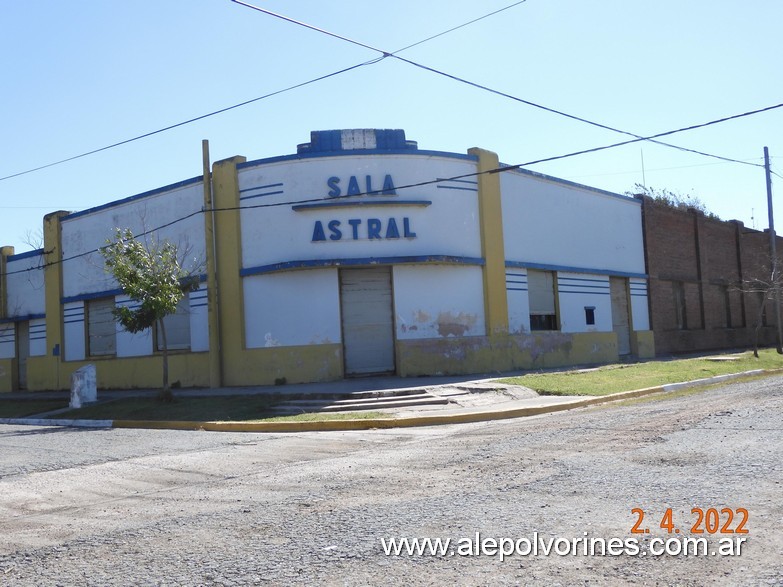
(81, 75)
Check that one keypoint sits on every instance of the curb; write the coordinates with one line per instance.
(384, 423)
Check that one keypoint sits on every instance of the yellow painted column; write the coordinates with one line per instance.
(47, 368)
(228, 262)
(7, 366)
(492, 247)
(5, 252)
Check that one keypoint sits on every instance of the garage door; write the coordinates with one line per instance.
(368, 329)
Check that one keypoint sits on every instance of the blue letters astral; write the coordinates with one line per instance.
(358, 229)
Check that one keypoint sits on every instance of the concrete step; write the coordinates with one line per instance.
(359, 404)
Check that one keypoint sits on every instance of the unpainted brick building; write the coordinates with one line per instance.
(697, 266)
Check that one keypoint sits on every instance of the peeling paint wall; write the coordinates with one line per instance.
(481, 354)
(438, 301)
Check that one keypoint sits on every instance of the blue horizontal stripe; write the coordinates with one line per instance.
(471, 182)
(365, 203)
(547, 267)
(25, 255)
(23, 318)
(154, 192)
(351, 262)
(74, 321)
(603, 281)
(454, 187)
(92, 296)
(354, 153)
(261, 195)
(262, 187)
(198, 305)
(587, 293)
(516, 289)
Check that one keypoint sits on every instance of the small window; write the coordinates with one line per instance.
(177, 328)
(541, 291)
(590, 315)
(101, 327)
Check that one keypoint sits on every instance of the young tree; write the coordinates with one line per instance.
(152, 275)
(765, 289)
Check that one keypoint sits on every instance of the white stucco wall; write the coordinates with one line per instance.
(559, 224)
(640, 313)
(7, 340)
(90, 231)
(25, 281)
(292, 308)
(579, 290)
(281, 234)
(517, 300)
(436, 301)
(74, 331)
(38, 337)
(199, 320)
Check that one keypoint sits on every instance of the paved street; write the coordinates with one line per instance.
(121, 507)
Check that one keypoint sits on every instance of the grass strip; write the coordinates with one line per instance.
(24, 408)
(235, 408)
(625, 377)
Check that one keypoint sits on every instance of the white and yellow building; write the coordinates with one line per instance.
(360, 254)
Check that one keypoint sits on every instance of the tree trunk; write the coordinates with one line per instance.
(759, 320)
(165, 393)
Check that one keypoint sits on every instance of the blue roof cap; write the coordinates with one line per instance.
(329, 141)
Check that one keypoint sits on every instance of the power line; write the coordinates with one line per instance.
(271, 94)
(414, 185)
(451, 30)
(483, 87)
(191, 120)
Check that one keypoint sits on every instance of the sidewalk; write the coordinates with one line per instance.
(467, 400)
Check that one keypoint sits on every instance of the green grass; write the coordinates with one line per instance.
(615, 378)
(201, 409)
(198, 409)
(30, 407)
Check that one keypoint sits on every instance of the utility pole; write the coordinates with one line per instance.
(773, 253)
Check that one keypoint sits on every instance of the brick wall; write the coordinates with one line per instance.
(707, 260)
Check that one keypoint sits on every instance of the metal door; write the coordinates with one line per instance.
(367, 320)
(621, 322)
(22, 351)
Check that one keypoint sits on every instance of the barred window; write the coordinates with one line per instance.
(177, 328)
(541, 291)
(101, 327)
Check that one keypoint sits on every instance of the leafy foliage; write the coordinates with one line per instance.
(672, 199)
(152, 275)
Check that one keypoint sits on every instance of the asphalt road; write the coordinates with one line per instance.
(134, 507)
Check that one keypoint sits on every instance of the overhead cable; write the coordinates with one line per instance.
(483, 87)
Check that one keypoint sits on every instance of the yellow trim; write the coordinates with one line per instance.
(293, 364)
(643, 344)
(7, 375)
(5, 252)
(492, 246)
(481, 354)
(228, 257)
(190, 369)
(44, 372)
